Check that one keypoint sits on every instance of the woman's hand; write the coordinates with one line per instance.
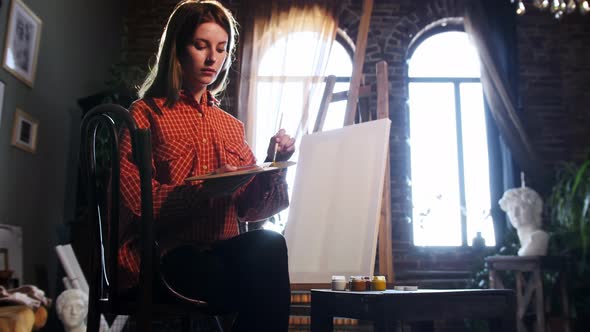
(284, 144)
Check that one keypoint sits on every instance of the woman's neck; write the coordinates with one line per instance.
(196, 92)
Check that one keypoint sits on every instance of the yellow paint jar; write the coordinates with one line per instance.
(378, 283)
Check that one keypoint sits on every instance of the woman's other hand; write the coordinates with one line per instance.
(284, 144)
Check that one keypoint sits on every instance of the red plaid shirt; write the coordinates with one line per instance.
(190, 139)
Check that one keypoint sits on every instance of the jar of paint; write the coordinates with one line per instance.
(378, 283)
(338, 283)
(357, 283)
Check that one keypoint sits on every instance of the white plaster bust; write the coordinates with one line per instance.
(524, 207)
(72, 307)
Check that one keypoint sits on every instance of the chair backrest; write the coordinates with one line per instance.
(100, 142)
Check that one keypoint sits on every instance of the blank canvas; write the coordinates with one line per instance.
(336, 202)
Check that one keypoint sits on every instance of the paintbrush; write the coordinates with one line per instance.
(274, 157)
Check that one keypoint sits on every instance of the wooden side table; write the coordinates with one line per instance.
(386, 309)
(527, 287)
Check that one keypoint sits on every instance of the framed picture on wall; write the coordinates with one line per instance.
(22, 42)
(24, 131)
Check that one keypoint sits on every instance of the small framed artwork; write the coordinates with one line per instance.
(24, 131)
(22, 42)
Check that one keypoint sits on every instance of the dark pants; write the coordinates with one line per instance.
(247, 274)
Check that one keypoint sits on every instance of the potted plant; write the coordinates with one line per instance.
(568, 206)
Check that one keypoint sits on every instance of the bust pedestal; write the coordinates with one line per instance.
(533, 285)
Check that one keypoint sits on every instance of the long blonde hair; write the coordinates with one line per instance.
(165, 78)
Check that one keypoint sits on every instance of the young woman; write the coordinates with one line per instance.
(203, 255)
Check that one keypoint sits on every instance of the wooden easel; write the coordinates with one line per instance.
(364, 91)
(356, 91)
(300, 292)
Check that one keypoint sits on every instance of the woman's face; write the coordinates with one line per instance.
(204, 56)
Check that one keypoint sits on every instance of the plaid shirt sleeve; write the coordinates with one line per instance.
(265, 196)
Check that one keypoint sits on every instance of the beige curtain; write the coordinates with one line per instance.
(484, 25)
(282, 89)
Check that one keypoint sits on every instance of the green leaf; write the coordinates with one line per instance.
(579, 176)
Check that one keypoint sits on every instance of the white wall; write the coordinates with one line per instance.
(80, 40)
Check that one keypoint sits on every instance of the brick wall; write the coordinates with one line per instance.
(555, 84)
(554, 88)
(393, 26)
(554, 73)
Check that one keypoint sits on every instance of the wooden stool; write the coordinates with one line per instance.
(533, 266)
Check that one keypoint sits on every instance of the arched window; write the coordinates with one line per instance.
(289, 88)
(450, 173)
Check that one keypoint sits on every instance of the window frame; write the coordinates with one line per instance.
(442, 26)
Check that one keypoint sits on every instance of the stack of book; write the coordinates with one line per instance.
(299, 320)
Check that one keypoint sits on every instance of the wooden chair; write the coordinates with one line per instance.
(104, 297)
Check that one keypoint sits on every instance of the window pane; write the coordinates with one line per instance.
(342, 86)
(447, 54)
(290, 98)
(340, 63)
(286, 55)
(435, 182)
(336, 109)
(335, 115)
(476, 163)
